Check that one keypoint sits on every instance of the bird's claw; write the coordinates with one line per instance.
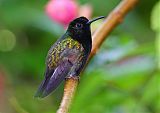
(73, 77)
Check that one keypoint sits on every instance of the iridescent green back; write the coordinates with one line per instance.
(55, 51)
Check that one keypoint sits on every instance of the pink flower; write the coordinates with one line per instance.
(62, 11)
(86, 10)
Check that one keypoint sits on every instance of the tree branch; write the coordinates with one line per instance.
(114, 18)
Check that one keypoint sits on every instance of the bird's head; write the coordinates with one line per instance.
(80, 27)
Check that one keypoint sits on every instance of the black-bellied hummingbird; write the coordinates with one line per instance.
(68, 55)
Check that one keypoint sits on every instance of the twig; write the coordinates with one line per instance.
(99, 36)
(69, 90)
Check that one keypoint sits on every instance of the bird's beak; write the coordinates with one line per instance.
(90, 21)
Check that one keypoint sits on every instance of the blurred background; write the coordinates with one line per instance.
(122, 78)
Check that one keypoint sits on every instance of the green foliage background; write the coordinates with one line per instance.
(122, 78)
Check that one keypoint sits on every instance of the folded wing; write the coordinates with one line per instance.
(53, 78)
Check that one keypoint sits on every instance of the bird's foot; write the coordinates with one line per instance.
(73, 77)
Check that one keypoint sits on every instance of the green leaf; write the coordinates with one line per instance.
(155, 17)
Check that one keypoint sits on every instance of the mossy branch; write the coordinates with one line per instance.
(114, 18)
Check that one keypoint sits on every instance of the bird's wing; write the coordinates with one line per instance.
(53, 78)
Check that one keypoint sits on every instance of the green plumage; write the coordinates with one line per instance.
(57, 49)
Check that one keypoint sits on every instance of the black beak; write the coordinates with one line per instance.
(90, 21)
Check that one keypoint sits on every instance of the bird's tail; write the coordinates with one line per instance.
(52, 81)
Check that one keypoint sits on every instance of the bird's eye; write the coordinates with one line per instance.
(78, 25)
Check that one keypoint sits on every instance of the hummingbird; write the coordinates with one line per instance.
(67, 56)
